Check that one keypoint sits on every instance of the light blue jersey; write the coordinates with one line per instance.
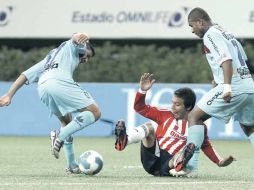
(54, 74)
(221, 46)
(60, 64)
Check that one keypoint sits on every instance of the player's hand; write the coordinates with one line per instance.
(226, 161)
(227, 92)
(146, 81)
(5, 100)
(81, 38)
(227, 97)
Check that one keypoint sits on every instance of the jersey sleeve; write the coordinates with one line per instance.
(33, 73)
(145, 110)
(208, 149)
(217, 45)
(242, 52)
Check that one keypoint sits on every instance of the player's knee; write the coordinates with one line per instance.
(248, 130)
(96, 112)
(150, 128)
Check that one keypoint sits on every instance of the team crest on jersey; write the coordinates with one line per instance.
(206, 50)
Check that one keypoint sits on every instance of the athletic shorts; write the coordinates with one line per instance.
(63, 97)
(241, 106)
(154, 164)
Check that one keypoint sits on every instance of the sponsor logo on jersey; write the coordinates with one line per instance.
(214, 45)
(177, 135)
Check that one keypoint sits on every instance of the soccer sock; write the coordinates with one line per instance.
(251, 138)
(69, 152)
(196, 136)
(82, 120)
(137, 134)
(193, 162)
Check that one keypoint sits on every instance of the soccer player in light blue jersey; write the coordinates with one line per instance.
(61, 94)
(233, 95)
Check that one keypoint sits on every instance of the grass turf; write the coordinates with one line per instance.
(27, 163)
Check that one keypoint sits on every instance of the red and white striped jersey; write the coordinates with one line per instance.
(171, 133)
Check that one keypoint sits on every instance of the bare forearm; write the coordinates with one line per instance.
(20, 81)
(227, 71)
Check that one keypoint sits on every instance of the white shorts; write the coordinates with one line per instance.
(63, 97)
(241, 106)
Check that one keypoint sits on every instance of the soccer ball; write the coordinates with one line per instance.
(90, 162)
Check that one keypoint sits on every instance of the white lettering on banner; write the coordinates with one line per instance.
(155, 101)
(131, 93)
(156, 98)
(251, 16)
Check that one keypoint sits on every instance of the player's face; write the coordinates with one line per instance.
(197, 28)
(178, 108)
(86, 56)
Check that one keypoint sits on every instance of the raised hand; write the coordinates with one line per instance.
(146, 81)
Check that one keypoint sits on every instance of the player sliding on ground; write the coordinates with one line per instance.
(160, 145)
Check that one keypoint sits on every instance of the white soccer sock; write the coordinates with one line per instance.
(137, 134)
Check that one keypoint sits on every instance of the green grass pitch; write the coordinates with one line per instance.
(27, 163)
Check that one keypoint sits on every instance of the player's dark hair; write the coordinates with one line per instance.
(89, 46)
(198, 14)
(188, 96)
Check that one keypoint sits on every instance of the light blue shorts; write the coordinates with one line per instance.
(63, 97)
(241, 106)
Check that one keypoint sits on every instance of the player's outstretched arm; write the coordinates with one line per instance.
(5, 100)
(146, 81)
(212, 154)
(80, 38)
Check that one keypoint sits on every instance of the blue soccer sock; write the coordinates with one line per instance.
(251, 138)
(196, 136)
(81, 121)
(193, 162)
(69, 152)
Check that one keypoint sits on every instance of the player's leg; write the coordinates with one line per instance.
(68, 147)
(245, 116)
(249, 132)
(86, 117)
(151, 160)
(194, 140)
(143, 132)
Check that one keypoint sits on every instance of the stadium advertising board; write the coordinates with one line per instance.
(113, 19)
(116, 101)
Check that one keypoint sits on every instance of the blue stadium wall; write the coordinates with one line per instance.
(28, 116)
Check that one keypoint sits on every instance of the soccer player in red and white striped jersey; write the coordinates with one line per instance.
(159, 145)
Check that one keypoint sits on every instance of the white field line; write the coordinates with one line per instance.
(128, 184)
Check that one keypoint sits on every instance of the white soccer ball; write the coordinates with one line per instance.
(90, 162)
